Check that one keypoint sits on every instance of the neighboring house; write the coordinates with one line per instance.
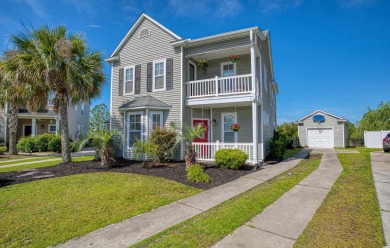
(323, 130)
(156, 80)
(47, 120)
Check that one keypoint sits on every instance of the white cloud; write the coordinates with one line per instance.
(38, 8)
(228, 8)
(192, 8)
(269, 5)
(355, 3)
(93, 26)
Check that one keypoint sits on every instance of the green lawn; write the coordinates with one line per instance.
(290, 152)
(47, 212)
(10, 157)
(17, 161)
(42, 164)
(207, 228)
(349, 215)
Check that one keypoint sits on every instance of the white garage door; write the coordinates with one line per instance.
(320, 138)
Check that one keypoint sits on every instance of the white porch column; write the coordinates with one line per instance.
(57, 126)
(255, 123)
(33, 127)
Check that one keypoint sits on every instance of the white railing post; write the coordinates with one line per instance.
(216, 86)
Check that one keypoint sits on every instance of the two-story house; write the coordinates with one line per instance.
(47, 120)
(156, 79)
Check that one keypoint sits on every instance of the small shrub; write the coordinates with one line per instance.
(196, 174)
(144, 149)
(41, 142)
(3, 149)
(278, 145)
(1, 140)
(230, 158)
(165, 140)
(26, 144)
(54, 144)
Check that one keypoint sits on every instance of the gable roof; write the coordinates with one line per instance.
(323, 112)
(144, 102)
(134, 27)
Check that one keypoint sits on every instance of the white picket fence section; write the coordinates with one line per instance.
(206, 151)
(374, 139)
(220, 86)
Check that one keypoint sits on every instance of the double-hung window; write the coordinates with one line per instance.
(156, 119)
(228, 135)
(228, 69)
(159, 76)
(129, 80)
(134, 128)
(52, 128)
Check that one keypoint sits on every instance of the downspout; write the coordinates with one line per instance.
(181, 100)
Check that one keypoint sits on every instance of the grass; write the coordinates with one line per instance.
(209, 227)
(47, 212)
(290, 152)
(43, 164)
(349, 215)
(11, 157)
(17, 161)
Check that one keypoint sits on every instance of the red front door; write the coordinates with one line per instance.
(205, 135)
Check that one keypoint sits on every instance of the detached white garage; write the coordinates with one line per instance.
(322, 130)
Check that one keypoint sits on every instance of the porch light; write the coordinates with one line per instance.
(214, 121)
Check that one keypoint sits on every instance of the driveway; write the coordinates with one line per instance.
(380, 163)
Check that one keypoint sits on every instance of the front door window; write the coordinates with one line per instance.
(228, 135)
(228, 69)
(205, 135)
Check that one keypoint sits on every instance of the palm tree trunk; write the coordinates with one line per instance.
(13, 128)
(65, 146)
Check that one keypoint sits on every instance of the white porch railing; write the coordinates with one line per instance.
(206, 151)
(220, 86)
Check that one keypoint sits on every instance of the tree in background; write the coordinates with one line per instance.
(288, 129)
(373, 120)
(54, 60)
(99, 115)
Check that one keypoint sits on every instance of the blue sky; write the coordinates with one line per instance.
(332, 55)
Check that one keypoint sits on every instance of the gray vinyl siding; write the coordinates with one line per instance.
(243, 66)
(220, 45)
(75, 118)
(140, 52)
(330, 122)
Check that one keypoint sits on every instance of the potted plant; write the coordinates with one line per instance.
(234, 58)
(202, 63)
(235, 127)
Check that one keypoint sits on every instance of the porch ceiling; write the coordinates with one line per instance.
(216, 54)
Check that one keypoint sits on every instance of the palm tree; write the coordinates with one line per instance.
(188, 134)
(13, 94)
(53, 60)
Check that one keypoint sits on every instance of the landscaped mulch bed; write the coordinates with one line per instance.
(172, 171)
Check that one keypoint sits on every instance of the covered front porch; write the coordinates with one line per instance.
(36, 125)
(219, 135)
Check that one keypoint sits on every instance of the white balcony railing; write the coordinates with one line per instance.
(206, 151)
(220, 86)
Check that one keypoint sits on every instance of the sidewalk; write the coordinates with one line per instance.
(380, 163)
(133, 230)
(281, 223)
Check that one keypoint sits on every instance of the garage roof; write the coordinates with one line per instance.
(318, 111)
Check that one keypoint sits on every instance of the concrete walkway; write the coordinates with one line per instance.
(133, 230)
(281, 223)
(380, 163)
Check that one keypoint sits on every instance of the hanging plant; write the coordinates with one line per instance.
(202, 63)
(234, 58)
(235, 127)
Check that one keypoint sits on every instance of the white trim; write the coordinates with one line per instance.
(208, 128)
(211, 126)
(248, 97)
(51, 125)
(128, 126)
(134, 27)
(181, 99)
(195, 71)
(223, 126)
(321, 111)
(265, 79)
(112, 70)
(150, 118)
(322, 127)
(164, 75)
(124, 79)
(228, 63)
